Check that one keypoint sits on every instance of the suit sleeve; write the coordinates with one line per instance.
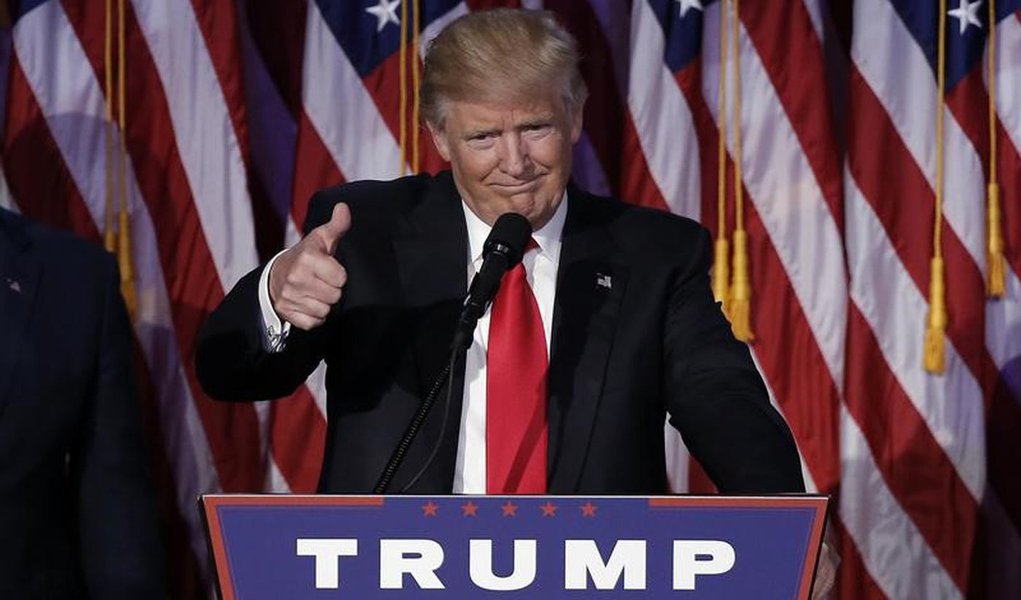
(231, 360)
(121, 551)
(716, 397)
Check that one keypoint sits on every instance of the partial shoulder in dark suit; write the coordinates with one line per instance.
(77, 507)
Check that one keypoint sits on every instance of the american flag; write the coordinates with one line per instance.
(229, 113)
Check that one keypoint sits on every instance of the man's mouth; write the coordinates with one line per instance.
(518, 187)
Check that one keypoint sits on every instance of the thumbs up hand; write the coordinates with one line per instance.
(306, 280)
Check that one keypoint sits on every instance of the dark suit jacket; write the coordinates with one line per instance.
(622, 356)
(77, 509)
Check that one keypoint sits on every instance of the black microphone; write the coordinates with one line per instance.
(503, 249)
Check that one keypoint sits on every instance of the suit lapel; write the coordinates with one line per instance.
(431, 248)
(19, 275)
(590, 287)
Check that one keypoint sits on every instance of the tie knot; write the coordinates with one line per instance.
(531, 245)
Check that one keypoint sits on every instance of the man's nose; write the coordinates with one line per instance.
(514, 158)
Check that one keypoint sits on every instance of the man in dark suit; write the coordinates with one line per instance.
(628, 322)
(77, 508)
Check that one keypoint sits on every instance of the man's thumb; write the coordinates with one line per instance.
(334, 229)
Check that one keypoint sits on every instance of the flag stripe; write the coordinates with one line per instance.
(791, 54)
(217, 23)
(853, 578)
(895, 554)
(188, 267)
(661, 117)
(313, 170)
(806, 395)
(199, 118)
(33, 164)
(329, 75)
(911, 461)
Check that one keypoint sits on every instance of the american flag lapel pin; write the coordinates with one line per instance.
(603, 280)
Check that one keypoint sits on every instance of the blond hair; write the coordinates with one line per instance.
(501, 55)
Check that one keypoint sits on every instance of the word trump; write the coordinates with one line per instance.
(420, 559)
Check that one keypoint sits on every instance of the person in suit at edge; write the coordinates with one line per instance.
(77, 506)
(632, 333)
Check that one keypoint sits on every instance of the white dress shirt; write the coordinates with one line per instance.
(541, 264)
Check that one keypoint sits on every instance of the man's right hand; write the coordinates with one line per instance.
(306, 281)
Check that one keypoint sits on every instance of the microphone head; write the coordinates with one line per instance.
(509, 235)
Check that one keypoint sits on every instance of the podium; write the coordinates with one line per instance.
(297, 547)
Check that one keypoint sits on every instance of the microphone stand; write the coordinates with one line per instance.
(503, 249)
(416, 424)
(459, 345)
(473, 309)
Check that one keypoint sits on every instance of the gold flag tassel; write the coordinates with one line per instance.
(739, 309)
(721, 250)
(935, 331)
(937, 322)
(997, 276)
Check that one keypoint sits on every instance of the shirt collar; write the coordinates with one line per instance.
(547, 237)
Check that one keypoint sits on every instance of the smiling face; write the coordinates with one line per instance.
(513, 157)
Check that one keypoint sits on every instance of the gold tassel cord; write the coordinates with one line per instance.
(117, 229)
(721, 250)
(403, 60)
(124, 222)
(109, 234)
(739, 309)
(935, 332)
(996, 282)
(415, 76)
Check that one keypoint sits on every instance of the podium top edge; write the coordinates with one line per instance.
(663, 501)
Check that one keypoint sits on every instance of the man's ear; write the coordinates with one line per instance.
(439, 136)
(577, 116)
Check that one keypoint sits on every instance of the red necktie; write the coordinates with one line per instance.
(516, 390)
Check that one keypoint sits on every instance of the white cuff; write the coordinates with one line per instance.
(274, 331)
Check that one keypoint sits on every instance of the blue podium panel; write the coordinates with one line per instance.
(320, 547)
